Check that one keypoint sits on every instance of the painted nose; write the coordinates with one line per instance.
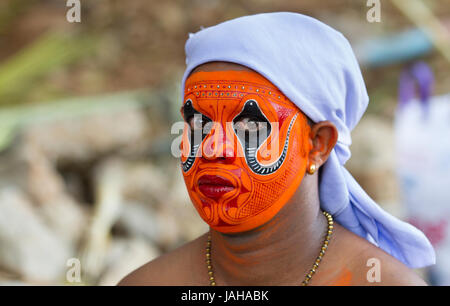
(218, 145)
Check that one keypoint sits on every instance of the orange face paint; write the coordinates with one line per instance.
(244, 148)
(344, 278)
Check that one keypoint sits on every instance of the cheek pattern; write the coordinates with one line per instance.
(267, 193)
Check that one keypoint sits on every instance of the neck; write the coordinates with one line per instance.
(281, 252)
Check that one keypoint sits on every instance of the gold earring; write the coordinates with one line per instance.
(312, 169)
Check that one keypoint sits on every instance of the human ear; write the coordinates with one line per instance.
(323, 138)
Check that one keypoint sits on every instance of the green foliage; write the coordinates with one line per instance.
(18, 74)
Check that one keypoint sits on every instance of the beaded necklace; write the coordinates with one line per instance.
(212, 280)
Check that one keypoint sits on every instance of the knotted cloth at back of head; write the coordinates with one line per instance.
(315, 67)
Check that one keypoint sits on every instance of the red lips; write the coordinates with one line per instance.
(214, 186)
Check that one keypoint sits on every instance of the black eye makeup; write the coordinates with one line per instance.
(198, 129)
(252, 129)
(251, 126)
(196, 120)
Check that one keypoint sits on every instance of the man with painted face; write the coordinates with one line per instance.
(269, 103)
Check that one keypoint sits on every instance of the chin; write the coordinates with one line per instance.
(252, 223)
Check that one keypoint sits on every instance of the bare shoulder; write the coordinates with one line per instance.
(177, 267)
(369, 265)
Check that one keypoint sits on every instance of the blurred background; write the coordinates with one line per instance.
(87, 180)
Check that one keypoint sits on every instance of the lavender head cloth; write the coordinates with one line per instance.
(314, 66)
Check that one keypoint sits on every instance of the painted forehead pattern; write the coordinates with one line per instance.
(232, 85)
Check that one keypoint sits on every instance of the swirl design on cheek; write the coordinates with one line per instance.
(251, 147)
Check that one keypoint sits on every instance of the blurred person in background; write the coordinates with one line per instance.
(423, 168)
(269, 104)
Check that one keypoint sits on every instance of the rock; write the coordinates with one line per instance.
(107, 207)
(124, 256)
(146, 183)
(85, 138)
(157, 226)
(139, 220)
(46, 188)
(27, 246)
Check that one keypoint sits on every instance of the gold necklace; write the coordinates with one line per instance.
(212, 280)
